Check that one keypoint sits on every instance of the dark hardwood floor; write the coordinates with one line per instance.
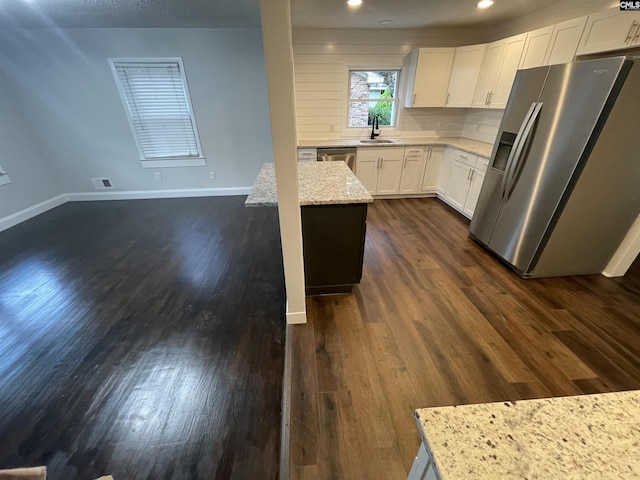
(438, 321)
(143, 339)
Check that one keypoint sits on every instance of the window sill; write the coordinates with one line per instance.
(4, 180)
(175, 162)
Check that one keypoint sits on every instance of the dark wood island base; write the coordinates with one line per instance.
(333, 243)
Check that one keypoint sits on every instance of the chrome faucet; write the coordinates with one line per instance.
(375, 126)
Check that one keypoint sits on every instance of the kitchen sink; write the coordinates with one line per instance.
(376, 141)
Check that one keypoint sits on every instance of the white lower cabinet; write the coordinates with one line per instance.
(464, 180)
(412, 169)
(477, 177)
(433, 167)
(380, 169)
(423, 467)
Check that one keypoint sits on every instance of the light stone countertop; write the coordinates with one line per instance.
(472, 146)
(583, 437)
(319, 183)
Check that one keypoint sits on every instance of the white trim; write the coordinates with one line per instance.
(626, 252)
(32, 211)
(187, 162)
(148, 194)
(357, 132)
(296, 318)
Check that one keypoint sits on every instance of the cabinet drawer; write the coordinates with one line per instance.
(384, 152)
(465, 157)
(307, 154)
(482, 163)
(413, 151)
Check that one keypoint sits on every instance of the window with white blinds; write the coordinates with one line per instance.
(155, 96)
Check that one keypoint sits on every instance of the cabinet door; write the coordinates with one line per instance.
(477, 177)
(610, 30)
(367, 172)
(458, 184)
(432, 170)
(564, 41)
(432, 77)
(535, 48)
(508, 67)
(464, 75)
(412, 170)
(389, 176)
(445, 170)
(488, 73)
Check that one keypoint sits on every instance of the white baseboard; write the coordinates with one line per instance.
(295, 318)
(30, 212)
(148, 194)
(37, 209)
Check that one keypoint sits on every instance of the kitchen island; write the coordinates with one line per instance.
(334, 213)
(582, 437)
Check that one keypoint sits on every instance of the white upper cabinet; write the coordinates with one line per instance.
(553, 44)
(513, 47)
(499, 68)
(610, 30)
(488, 74)
(564, 41)
(464, 75)
(535, 48)
(428, 71)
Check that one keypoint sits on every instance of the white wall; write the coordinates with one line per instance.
(482, 125)
(322, 58)
(77, 115)
(32, 179)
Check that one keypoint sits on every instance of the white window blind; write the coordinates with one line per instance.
(157, 101)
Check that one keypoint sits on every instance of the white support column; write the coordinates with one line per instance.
(278, 54)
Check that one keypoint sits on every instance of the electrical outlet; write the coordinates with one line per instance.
(212, 175)
(158, 176)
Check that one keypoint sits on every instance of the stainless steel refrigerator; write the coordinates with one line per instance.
(563, 185)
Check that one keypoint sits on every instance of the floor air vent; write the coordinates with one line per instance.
(102, 183)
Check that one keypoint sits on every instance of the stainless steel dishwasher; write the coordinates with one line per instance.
(346, 154)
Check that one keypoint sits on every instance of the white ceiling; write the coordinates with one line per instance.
(416, 13)
(246, 13)
(130, 13)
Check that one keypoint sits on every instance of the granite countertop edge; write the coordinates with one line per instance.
(598, 437)
(475, 147)
(319, 183)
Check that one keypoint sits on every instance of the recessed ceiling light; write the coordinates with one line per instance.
(485, 3)
(385, 22)
(354, 3)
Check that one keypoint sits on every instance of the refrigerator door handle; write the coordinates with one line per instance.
(520, 151)
(516, 143)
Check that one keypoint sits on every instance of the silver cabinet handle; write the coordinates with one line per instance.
(486, 99)
(429, 157)
(490, 98)
(447, 100)
(404, 163)
(413, 102)
(630, 32)
(472, 172)
(469, 174)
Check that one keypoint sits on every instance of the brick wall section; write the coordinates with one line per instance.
(359, 111)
